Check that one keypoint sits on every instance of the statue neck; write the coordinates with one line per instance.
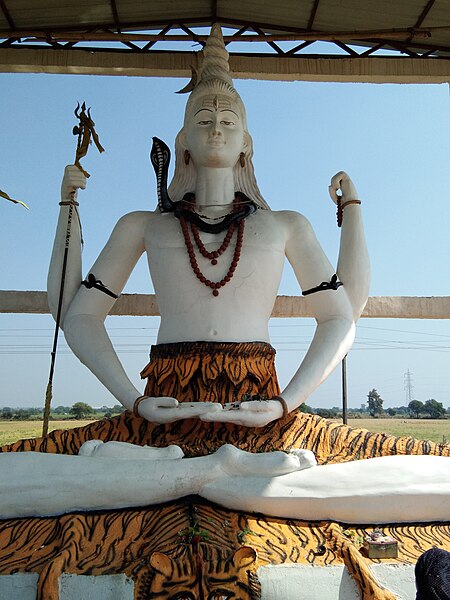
(214, 190)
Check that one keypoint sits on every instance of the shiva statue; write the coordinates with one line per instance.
(215, 253)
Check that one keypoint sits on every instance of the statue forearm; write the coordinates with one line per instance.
(331, 342)
(64, 272)
(87, 337)
(353, 266)
(72, 276)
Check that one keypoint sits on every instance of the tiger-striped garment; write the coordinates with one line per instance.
(124, 541)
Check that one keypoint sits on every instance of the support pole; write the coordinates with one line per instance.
(344, 391)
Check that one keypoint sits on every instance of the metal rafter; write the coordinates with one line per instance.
(424, 13)
(115, 15)
(312, 16)
(8, 17)
(415, 42)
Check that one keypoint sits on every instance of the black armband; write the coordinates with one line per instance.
(92, 282)
(333, 284)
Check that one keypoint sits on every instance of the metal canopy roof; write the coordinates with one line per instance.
(292, 29)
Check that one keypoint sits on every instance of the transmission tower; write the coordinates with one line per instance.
(408, 386)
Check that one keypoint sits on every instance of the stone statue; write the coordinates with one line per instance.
(215, 252)
(225, 298)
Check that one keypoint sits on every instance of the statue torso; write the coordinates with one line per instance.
(189, 311)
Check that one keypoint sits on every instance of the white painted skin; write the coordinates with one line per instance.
(115, 475)
(189, 312)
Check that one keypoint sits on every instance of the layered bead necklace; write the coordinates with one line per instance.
(237, 224)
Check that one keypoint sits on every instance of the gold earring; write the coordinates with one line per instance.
(187, 157)
(242, 159)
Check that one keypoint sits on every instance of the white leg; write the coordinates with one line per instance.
(379, 490)
(99, 449)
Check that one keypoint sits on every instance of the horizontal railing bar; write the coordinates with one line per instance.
(378, 307)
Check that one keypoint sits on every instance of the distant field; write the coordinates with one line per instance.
(424, 429)
(11, 431)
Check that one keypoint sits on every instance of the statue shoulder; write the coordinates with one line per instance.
(137, 218)
(291, 221)
(134, 223)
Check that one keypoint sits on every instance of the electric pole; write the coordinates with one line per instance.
(408, 386)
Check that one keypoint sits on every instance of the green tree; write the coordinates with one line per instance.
(61, 410)
(375, 403)
(434, 408)
(391, 412)
(81, 410)
(415, 407)
(7, 413)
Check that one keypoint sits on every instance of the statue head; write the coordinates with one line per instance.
(214, 90)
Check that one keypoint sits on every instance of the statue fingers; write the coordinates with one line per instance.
(188, 410)
(341, 181)
(73, 180)
(165, 402)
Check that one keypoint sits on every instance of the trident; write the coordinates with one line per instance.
(84, 130)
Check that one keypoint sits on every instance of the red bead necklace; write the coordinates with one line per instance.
(213, 256)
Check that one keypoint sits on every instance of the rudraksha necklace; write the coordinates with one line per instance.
(213, 256)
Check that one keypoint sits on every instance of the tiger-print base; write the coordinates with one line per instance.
(124, 541)
(109, 542)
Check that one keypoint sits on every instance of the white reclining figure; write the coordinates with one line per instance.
(389, 489)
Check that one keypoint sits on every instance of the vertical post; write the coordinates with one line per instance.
(344, 390)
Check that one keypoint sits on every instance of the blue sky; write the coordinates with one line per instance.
(394, 141)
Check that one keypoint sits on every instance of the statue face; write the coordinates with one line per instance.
(215, 132)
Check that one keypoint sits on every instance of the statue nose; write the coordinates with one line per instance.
(216, 130)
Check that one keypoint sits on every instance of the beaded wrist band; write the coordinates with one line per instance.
(136, 404)
(69, 202)
(340, 209)
(283, 403)
(350, 202)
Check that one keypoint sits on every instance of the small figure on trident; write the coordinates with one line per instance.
(84, 130)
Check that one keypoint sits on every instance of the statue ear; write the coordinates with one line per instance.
(182, 139)
(246, 142)
(162, 563)
(244, 557)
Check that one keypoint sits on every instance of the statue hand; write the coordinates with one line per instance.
(167, 410)
(341, 181)
(255, 413)
(73, 180)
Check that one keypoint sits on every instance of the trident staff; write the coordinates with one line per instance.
(84, 130)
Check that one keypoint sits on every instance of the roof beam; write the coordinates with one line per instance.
(424, 13)
(312, 16)
(265, 67)
(8, 17)
(260, 36)
(115, 14)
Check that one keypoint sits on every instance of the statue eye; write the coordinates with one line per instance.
(227, 122)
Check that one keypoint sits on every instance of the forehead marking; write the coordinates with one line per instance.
(217, 102)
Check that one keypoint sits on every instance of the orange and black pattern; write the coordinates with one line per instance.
(125, 541)
(199, 542)
(211, 372)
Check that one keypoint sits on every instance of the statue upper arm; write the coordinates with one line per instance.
(312, 267)
(113, 266)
